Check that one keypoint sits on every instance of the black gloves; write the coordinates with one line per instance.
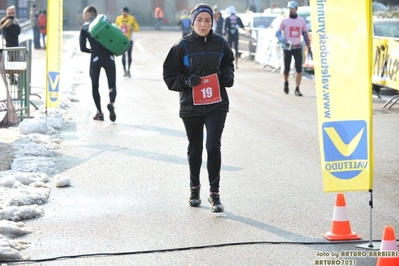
(228, 80)
(193, 80)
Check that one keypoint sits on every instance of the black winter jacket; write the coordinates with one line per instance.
(11, 30)
(202, 56)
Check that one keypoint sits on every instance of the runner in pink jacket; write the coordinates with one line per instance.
(290, 33)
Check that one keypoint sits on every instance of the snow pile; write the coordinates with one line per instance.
(9, 249)
(62, 181)
(23, 189)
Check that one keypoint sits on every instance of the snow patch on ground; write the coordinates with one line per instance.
(24, 188)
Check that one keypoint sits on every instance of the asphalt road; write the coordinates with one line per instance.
(128, 203)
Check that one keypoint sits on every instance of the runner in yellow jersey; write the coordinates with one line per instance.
(128, 24)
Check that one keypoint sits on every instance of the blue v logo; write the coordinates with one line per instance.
(53, 85)
(345, 147)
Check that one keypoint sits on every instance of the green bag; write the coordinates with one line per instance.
(109, 35)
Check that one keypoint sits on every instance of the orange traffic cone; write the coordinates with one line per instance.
(389, 247)
(340, 228)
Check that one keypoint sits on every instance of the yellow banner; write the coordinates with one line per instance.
(53, 52)
(385, 64)
(341, 44)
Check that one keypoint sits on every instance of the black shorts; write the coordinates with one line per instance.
(297, 54)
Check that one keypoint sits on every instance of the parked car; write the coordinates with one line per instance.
(253, 22)
(386, 28)
(378, 7)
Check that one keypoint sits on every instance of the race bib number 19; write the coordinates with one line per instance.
(208, 92)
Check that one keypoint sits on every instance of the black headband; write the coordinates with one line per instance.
(200, 9)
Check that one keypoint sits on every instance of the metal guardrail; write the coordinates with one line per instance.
(391, 101)
(18, 66)
(16, 63)
(28, 44)
(25, 25)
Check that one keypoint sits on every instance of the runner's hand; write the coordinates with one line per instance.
(194, 80)
(228, 80)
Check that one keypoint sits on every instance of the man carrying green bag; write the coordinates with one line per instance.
(101, 57)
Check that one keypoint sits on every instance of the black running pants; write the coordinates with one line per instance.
(129, 57)
(214, 124)
(108, 63)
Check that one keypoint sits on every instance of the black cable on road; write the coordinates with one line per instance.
(102, 254)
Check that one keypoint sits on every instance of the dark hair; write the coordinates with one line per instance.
(92, 10)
